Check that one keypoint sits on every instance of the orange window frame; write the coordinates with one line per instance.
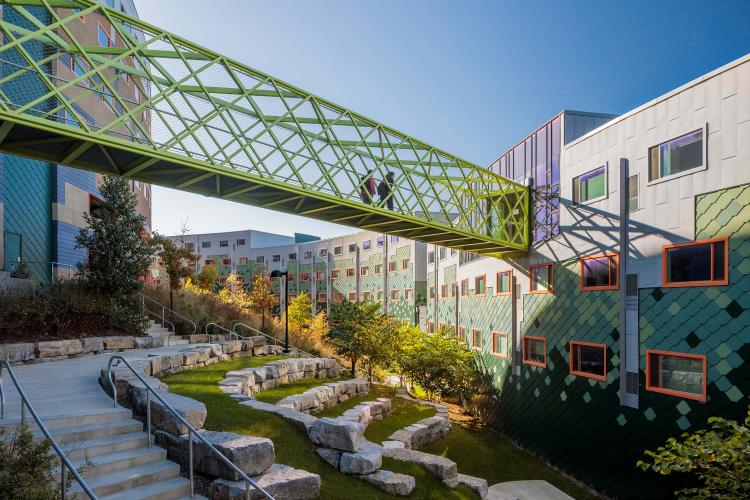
(495, 350)
(322, 297)
(378, 268)
(407, 293)
(710, 241)
(304, 276)
(525, 350)
(392, 266)
(367, 296)
(509, 272)
(349, 272)
(379, 295)
(462, 332)
(671, 392)
(613, 256)
(334, 274)
(352, 296)
(474, 332)
(465, 287)
(482, 277)
(320, 275)
(364, 270)
(551, 288)
(432, 292)
(397, 292)
(443, 291)
(577, 373)
(404, 264)
(430, 327)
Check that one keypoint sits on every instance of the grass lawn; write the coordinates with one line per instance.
(486, 454)
(278, 393)
(292, 446)
(404, 412)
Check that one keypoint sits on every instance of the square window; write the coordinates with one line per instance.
(588, 360)
(541, 278)
(364, 270)
(535, 351)
(352, 247)
(676, 156)
(476, 339)
(205, 244)
(502, 286)
(320, 275)
(444, 291)
(395, 294)
(599, 272)
(338, 250)
(432, 292)
(352, 296)
(366, 245)
(367, 296)
(209, 262)
(241, 242)
(480, 285)
(378, 268)
(260, 259)
(431, 257)
(337, 297)
(349, 272)
(404, 264)
(189, 245)
(226, 262)
(430, 327)
(407, 293)
(394, 239)
(699, 263)
(392, 266)
(500, 345)
(277, 258)
(243, 261)
(454, 289)
(290, 277)
(462, 332)
(323, 252)
(308, 254)
(223, 243)
(334, 274)
(590, 186)
(465, 288)
(380, 295)
(292, 256)
(443, 253)
(322, 297)
(676, 374)
(104, 39)
(380, 241)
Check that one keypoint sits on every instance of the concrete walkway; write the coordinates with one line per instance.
(105, 440)
(525, 490)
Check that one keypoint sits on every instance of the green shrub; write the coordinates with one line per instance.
(718, 456)
(28, 466)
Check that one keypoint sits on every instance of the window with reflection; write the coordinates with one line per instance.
(676, 156)
(535, 351)
(676, 374)
(588, 360)
(599, 272)
(541, 278)
(698, 263)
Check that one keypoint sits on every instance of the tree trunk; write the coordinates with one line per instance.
(171, 298)
(354, 366)
(263, 320)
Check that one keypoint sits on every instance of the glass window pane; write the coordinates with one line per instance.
(677, 373)
(540, 278)
(590, 185)
(534, 350)
(588, 359)
(718, 260)
(598, 271)
(689, 263)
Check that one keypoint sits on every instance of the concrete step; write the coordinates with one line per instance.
(93, 431)
(176, 487)
(72, 418)
(178, 342)
(111, 444)
(130, 478)
(121, 460)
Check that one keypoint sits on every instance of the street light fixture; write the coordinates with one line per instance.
(278, 274)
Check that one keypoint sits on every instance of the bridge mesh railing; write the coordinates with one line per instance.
(81, 65)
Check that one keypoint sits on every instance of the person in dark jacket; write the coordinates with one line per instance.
(385, 191)
(367, 189)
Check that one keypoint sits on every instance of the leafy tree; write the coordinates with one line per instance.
(349, 323)
(234, 293)
(118, 255)
(206, 278)
(407, 339)
(300, 312)
(442, 365)
(379, 342)
(262, 298)
(172, 258)
(719, 456)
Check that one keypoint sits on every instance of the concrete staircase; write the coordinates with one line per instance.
(106, 442)
(156, 330)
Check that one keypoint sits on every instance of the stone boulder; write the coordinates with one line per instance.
(55, 348)
(124, 342)
(14, 353)
(441, 467)
(391, 482)
(92, 344)
(475, 483)
(252, 455)
(337, 433)
(191, 410)
(365, 461)
(280, 481)
(330, 455)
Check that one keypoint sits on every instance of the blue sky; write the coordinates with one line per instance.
(471, 77)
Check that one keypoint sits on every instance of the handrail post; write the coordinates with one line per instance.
(190, 462)
(148, 415)
(62, 479)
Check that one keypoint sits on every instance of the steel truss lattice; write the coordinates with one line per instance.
(145, 104)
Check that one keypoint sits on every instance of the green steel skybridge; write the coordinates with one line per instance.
(87, 86)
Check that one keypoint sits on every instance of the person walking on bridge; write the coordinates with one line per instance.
(367, 188)
(385, 191)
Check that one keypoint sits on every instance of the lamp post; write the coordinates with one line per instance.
(278, 274)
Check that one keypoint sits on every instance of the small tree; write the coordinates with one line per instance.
(118, 255)
(262, 298)
(300, 312)
(172, 258)
(407, 339)
(442, 365)
(206, 278)
(719, 456)
(379, 343)
(349, 321)
(234, 293)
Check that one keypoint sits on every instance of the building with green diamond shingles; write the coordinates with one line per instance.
(629, 320)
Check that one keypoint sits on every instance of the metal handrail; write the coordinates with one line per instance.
(275, 340)
(191, 430)
(64, 462)
(165, 308)
(230, 332)
(164, 321)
